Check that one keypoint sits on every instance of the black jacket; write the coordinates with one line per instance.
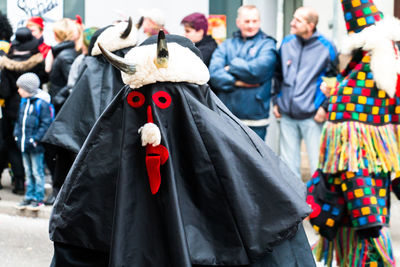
(207, 45)
(64, 54)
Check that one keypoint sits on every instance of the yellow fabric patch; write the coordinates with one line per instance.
(369, 83)
(355, 3)
(333, 99)
(347, 90)
(349, 175)
(358, 193)
(386, 118)
(350, 107)
(316, 228)
(375, 110)
(337, 181)
(362, 99)
(344, 187)
(361, 75)
(373, 200)
(382, 192)
(381, 94)
(397, 110)
(366, 59)
(361, 22)
(363, 117)
(333, 116)
(384, 211)
(365, 210)
(330, 222)
(373, 9)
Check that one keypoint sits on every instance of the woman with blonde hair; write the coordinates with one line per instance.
(62, 55)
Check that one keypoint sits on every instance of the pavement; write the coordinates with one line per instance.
(10, 201)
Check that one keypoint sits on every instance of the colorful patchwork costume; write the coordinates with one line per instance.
(350, 192)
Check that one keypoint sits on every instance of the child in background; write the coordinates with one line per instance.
(35, 117)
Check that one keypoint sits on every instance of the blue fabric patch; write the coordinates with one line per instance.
(357, 203)
(370, 20)
(359, 108)
(362, 221)
(369, 75)
(381, 202)
(326, 207)
(348, 16)
(335, 211)
(357, 90)
(370, 101)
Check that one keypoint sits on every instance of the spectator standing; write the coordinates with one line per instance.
(34, 119)
(64, 53)
(24, 56)
(196, 26)
(242, 68)
(151, 22)
(305, 57)
(36, 26)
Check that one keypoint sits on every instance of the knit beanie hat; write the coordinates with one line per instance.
(360, 14)
(87, 35)
(196, 21)
(29, 82)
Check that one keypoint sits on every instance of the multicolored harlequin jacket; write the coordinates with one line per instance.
(360, 141)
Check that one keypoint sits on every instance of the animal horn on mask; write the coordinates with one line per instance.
(119, 62)
(161, 59)
(127, 30)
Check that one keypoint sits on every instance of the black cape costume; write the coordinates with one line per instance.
(224, 197)
(95, 88)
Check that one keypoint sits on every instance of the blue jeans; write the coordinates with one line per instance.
(34, 173)
(260, 131)
(291, 133)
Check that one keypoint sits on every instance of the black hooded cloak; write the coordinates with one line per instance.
(224, 199)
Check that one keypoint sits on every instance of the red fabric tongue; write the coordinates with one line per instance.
(155, 157)
(398, 86)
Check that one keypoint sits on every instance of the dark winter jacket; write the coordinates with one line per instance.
(64, 54)
(207, 45)
(301, 67)
(35, 117)
(23, 57)
(250, 60)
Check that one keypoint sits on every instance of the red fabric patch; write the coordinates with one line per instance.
(395, 118)
(377, 17)
(373, 190)
(356, 213)
(311, 189)
(366, 201)
(350, 195)
(360, 182)
(365, 172)
(358, 67)
(351, 83)
(345, 99)
(346, 115)
(359, 13)
(155, 157)
(379, 182)
(377, 119)
(347, 25)
(378, 102)
(392, 101)
(341, 201)
(365, 92)
(371, 219)
(316, 208)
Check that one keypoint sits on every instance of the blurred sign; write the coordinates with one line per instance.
(19, 11)
(217, 27)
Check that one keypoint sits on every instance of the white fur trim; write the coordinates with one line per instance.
(378, 40)
(150, 134)
(183, 66)
(111, 39)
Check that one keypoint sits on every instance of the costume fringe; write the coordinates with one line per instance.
(345, 145)
(349, 250)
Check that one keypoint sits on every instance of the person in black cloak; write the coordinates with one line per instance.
(169, 177)
(96, 86)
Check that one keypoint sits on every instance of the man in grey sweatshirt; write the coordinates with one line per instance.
(305, 57)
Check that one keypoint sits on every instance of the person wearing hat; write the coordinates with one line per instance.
(36, 26)
(23, 56)
(196, 26)
(35, 117)
(360, 145)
